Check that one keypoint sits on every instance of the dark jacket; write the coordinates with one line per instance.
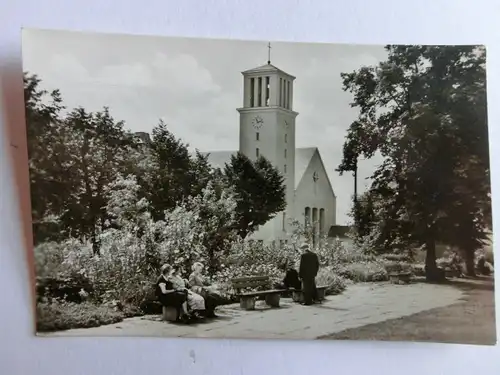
(291, 279)
(309, 265)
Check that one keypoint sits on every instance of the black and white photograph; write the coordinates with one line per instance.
(211, 188)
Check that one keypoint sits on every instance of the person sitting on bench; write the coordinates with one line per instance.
(200, 285)
(196, 303)
(169, 296)
(291, 280)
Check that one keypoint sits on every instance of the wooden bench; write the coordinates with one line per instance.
(247, 299)
(400, 277)
(298, 295)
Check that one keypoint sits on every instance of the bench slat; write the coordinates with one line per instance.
(262, 292)
(250, 278)
(249, 282)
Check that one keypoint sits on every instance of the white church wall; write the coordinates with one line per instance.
(267, 136)
(266, 232)
(317, 194)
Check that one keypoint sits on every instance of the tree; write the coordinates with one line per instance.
(173, 174)
(259, 189)
(424, 111)
(99, 151)
(72, 159)
(363, 213)
(199, 229)
(44, 143)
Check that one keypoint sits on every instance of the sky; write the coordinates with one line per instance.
(195, 86)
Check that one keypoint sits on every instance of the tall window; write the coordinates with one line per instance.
(257, 136)
(284, 221)
(259, 100)
(285, 152)
(281, 92)
(284, 168)
(285, 94)
(286, 138)
(288, 95)
(257, 152)
(267, 91)
(252, 92)
(315, 225)
(307, 216)
(322, 221)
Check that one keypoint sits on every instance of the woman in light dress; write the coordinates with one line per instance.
(199, 284)
(195, 302)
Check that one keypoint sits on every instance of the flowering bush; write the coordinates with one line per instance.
(365, 271)
(133, 246)
(199, 229)
(397, 266)
(452, 261)
(327, 276)
(65, 315)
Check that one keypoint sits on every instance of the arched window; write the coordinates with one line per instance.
(322, 221)
(315, 225)
(307, 216)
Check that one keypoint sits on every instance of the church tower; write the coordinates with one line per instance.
(267, 128)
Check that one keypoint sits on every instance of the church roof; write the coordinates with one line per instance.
(303, 156)
(265, 69)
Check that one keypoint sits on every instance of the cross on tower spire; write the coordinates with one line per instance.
(269, 53)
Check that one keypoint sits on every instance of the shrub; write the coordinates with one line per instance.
(366, 271)
(397, 257)
(66, 315)
(222, 280)
(418, 270)
(74, 288)
(327, 276)
(486, 253)
(397, 266)
(452, 262)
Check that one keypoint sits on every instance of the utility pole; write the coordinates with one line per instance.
(355, 174)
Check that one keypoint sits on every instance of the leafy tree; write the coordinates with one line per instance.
(363, 213)
(45, 141)
(99, 150)
(259, 189)
(72, 159)
(424, 111)
(173, 174)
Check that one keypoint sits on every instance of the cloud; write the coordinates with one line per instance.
(195, 86)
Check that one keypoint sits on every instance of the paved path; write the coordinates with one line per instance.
(359, 305)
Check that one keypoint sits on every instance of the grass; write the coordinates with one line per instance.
(471, 321)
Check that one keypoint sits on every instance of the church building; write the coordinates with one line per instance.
(268, 128)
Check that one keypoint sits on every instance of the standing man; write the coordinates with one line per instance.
(309, 266)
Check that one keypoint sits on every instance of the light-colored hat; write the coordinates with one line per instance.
(304, 246)
(196, 265)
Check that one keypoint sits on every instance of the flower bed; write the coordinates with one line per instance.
(66, 315)
(365, 271)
